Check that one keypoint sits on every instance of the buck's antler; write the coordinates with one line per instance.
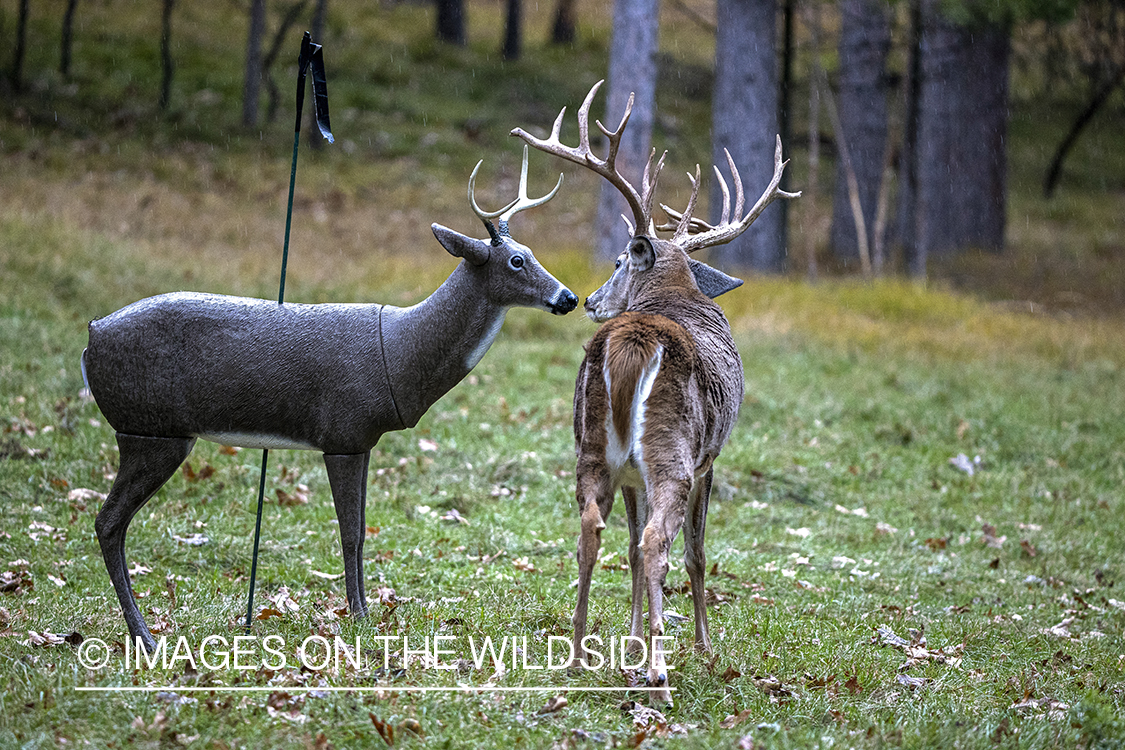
(640, 204)
(521, 203)
(693, 234)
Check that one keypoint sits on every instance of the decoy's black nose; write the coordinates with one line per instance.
(564, 302)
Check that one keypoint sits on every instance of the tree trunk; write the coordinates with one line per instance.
(865, 39)
(962, 190)
(1101, 96)
(273, 94)
(67, 38)
(745, 122)
(166, 67)
(15, 75)
(632, 69)
(253, 82)
(451, 21)
(564, 30)
(907, 216)
(784, 106)
(513, 31)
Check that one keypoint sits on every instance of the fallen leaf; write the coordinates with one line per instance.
(299, 496)
(732, 720)
(990, 539)
(911, 682)
(454, 516)
(1028, 548)
(326, 576)
(964, 463)
(557, 703)
(385, 730)
(44, 639)
(192, 540)
(425, 445)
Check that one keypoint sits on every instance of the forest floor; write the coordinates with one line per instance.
(916, 528)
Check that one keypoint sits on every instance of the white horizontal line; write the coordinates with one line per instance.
(363, 689)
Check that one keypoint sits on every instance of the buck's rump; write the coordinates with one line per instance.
(201, 365)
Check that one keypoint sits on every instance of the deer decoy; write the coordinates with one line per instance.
(171, 369)
(659, 389)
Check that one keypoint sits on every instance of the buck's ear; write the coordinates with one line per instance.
(641, 253)
(712, 281)
(471, 249)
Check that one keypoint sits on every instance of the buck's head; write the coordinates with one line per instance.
(648, 264)
(510, 276)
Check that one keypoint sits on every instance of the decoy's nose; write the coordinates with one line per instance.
(564, 302)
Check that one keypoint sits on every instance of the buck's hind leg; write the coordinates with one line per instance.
(146, 464)
(347, 476)
(667, 501)
(636, 511)
(695, 557)
(595, 500)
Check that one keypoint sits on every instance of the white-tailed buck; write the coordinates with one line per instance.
(171, 369)
(659, 389)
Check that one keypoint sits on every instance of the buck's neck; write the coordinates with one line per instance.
(432, 346)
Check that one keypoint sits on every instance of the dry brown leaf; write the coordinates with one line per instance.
(299, 496)
(556, 703)
(733, 720)
(990, 539)
(385, 730)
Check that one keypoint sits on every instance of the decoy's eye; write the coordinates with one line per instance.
(516, 261)
(617, 264)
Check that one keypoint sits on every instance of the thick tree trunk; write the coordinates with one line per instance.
(167, 70)
(451, 21)
(513, 31)
(67, 38)
(564, 29)
(15, 75)
(864, 41)
(745, 122)
(907, 216)
(253, 82)
(784, 106)
(632, 69)
(962, 190)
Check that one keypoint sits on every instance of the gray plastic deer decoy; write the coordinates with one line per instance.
(175, 368)
(659, 390)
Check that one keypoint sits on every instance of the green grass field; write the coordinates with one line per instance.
(865, 591)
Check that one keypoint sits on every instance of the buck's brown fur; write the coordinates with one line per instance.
(662, 461)
(659, 390)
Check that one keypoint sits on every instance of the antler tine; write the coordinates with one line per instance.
(523, 203)
(648, 185)
(684, 226)
(739, 195)
(628, 223)
(485, 216)
(726, 196)
(727, 231)
(584, 156)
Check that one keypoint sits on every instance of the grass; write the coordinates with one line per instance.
(858, 397)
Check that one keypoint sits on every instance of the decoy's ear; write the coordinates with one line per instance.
(471, 249)
(712, 281)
